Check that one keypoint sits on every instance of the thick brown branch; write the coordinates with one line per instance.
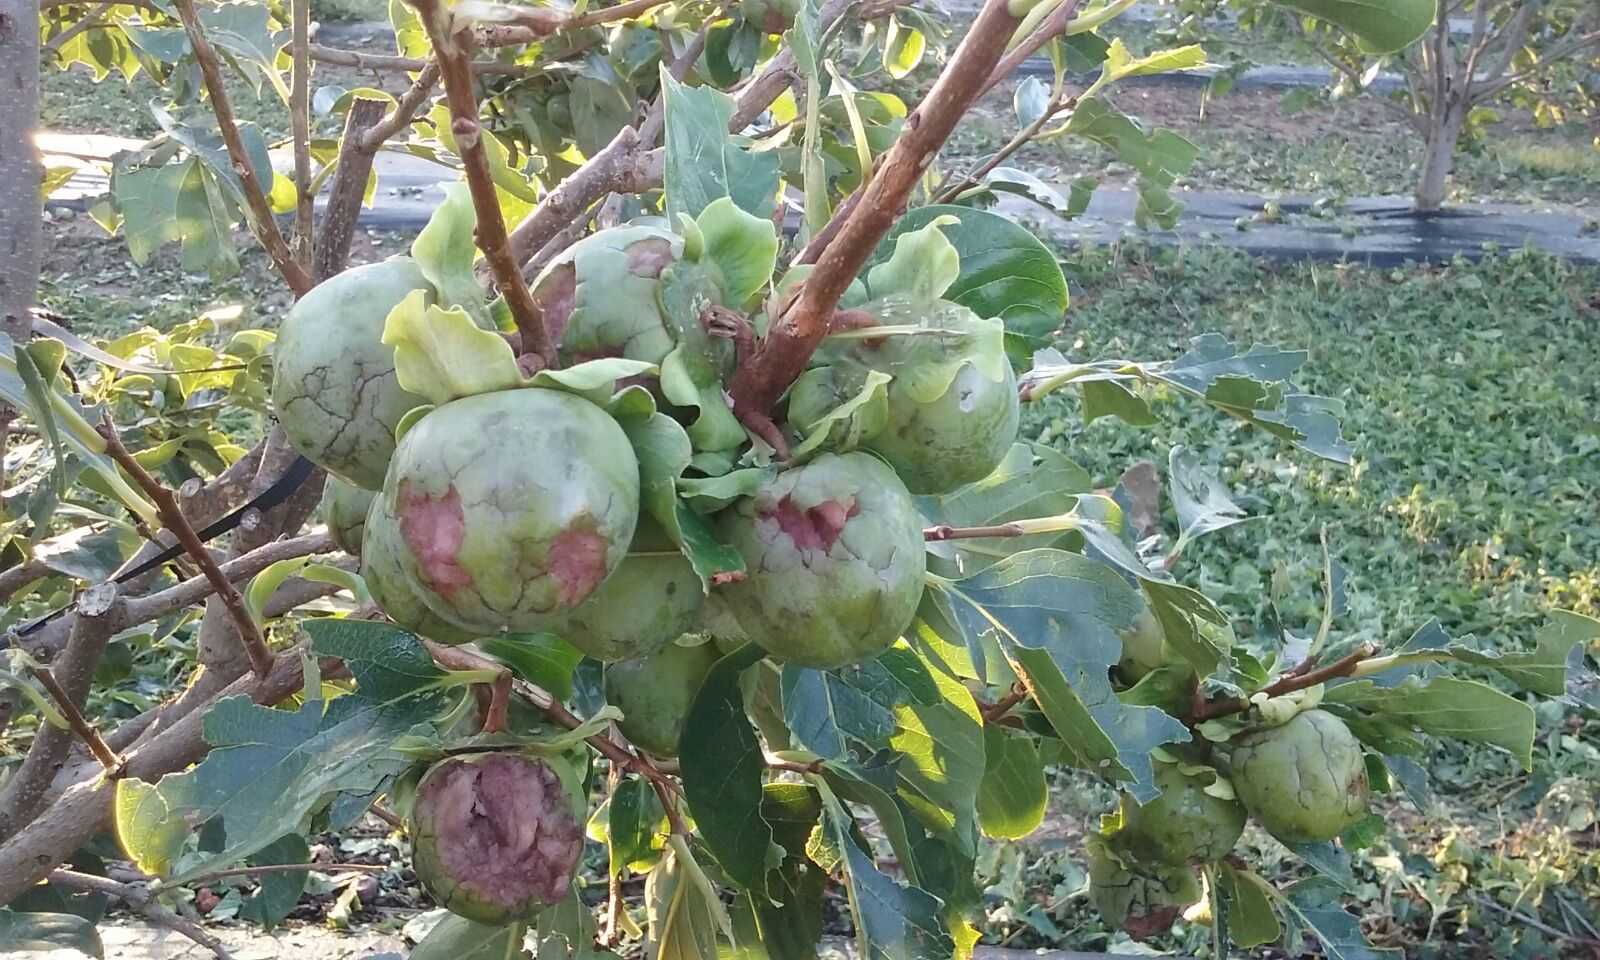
(343, 209)
(255, 645)
(141, 901)
(262, 224)
(452, 50)
(1288, 683)
(405, 109)
(794, 337)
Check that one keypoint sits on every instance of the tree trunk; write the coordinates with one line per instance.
(21, 173)
(1439, 157)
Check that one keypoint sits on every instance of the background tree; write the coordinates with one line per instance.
(866, 628)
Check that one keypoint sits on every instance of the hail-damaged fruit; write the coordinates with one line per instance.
(512, 507)
(654, 693)
(1140, 898)
(1143, 646)
(333, 379)
(652, 598)
(835, 561)
(599, 297)
(494, 837)
(394, 595)
(344, 510)
(1184, 823)
(1304, 781)
(949, 414)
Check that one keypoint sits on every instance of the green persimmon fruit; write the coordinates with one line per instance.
(654, 693)
(653, 597)
(391, 591)
(333, 377)
(493, 836)
(955, 439)
(1182, 825)
(1304, 781)
(344, 510)
(1143, 646)
(1140, 898)
(513, 507)
(599, 296)
(834, 557)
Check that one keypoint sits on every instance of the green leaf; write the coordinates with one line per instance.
(1120, 64)
(939, 735)
(742, 247)
(1314, 903)
(722, 774)
(1056, 616)
(704, 162)
(684, 912)
(1031, 100)
(457, 938)
(1012, 796)
(176, 201)
(827, 711)
(1251, 919)
(1543, 670)
(1382, 26)
(1006, 271)
(922, 267)
(1447, 707)
(1160, 156)
(1110, 398)
(789, 925)
(446, 249)
(1202, 501)
(903, 47)
(893, 921)
(44, 932)
(542, 659)
(635, 827)
(268, 768)
(442, 355)
(278, 893)
(664, 452)
(850, 424)
(599, 110)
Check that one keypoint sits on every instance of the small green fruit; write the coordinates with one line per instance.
(344, 510)
(1141, 898)
(493, 835)
(333, 380)
(1304, 781)
(1143, 646)
(835, 561)
(654, 693)
(1183, 824)
(513, 507)
(651, 599)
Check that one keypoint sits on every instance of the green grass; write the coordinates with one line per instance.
(1470, 399)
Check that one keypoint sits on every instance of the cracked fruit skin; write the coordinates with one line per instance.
(599, 297)
(333, 379)
(653, 598)
(493, 836)
(344, 510)
(1183, 824)
(1141, 898)
(956, 439)
(654, 694)
(512, 507)
(380, 568)
(1304, 781)
(834, 558)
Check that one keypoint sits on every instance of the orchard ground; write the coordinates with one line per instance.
(1470, 398)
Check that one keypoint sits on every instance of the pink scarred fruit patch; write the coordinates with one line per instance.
(496, 836)
(433, 529)
(577, 563)
(815, 528)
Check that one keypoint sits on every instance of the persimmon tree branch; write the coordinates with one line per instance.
(1345, 666)
(261, 222)
(300, 125)
(141, 901)
(255, 645)
(1053, 26)
(452, 48)
(788, 346)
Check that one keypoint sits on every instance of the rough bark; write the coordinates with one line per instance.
(21, 172)
(349, 186)
(1438, 158)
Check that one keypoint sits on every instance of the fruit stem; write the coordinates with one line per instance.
(1346, 666)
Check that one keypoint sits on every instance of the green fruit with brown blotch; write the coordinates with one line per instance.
(1184, 824)
(391, 591)
(1305, 781)
(1140, 898)
(835, 561)
(654, 693)
(652, 598)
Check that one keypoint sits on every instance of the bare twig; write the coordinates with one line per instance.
(452, 50)
(1288, 683)
(80, 726)
(793, 337)
(262, 224)
(1052, 27)
(387, 816)
(1027, 133)
(255, 645)
(300, 122)
(405, 109)
(650, 131)
(142, 902)
(378, 61)
(261, 868)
